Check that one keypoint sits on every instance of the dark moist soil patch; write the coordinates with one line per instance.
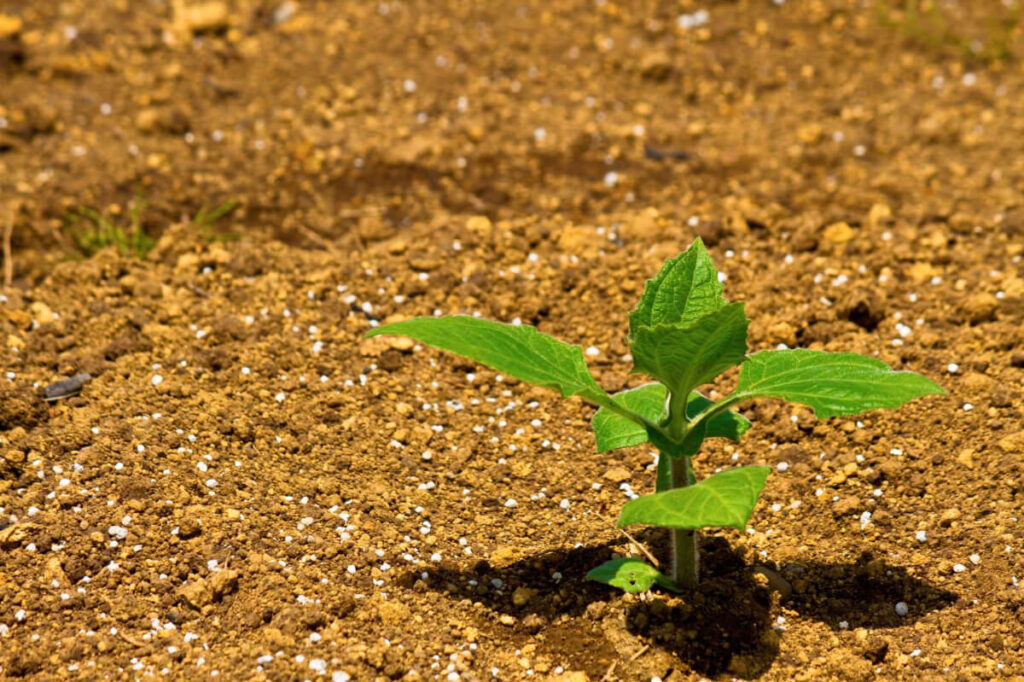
(246, 486)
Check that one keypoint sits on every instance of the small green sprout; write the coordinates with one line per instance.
(206, 220)
(684, 334)
(94, 231)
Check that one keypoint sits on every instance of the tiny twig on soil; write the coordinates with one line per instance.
(639, 545)
(133, 642)
(8, 231)
(639, 653)
(611, 671)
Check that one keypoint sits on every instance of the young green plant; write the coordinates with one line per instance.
(684, 334)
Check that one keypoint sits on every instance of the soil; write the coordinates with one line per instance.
(247, 489)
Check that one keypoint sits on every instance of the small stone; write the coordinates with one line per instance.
(400, 343)
(393, 612)
(53, 572)
(198, 593)
(656, 65)
(422, 261)
(1014, 443)
(480, 225)
(902, 609)
(922, 271)
(948, 516)
(41, 313)
(13, 536)
(618, 474)
(838, 233)
(847, 506)
(578, 240)
(202, 592)
(203, 17)
(9, 26)
(879, 215)
(781, 332)
(645, 227)
(523, 595)
(506, 619)
(980, 308)
(503, 554)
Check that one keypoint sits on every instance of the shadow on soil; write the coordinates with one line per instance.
(725, 626)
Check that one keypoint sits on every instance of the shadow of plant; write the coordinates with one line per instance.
(726, 625)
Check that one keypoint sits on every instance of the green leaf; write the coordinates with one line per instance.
(684, 290)
(612, 431)
(630, 575)
(517, 350)
(725, 499)
(831, 384)
(684, 357)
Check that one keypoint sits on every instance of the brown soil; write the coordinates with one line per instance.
(287, 499)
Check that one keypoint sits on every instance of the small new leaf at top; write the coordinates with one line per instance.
(684, 355)
(684, 290)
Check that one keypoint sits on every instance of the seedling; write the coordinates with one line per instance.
(206, 220)
(684, 334)
(100, 231)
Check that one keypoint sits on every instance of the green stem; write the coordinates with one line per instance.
(685, 552)
(714, 409)
(676, 418)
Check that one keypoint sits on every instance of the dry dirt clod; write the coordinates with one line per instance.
(13, 536)
(10, 26)
(200, 17)
(980, 308)
(205, 591)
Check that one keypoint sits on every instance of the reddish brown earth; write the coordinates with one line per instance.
(267, 509)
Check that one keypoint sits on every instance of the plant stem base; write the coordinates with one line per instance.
(685, 543)
(685, 558)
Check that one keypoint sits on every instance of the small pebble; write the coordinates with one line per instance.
(902, 609)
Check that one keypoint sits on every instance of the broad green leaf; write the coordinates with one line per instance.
(517, 350)
(725, 499)
(684, 357)
(612, 431)
(630, 575)
(685, 289)
(831, 384)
